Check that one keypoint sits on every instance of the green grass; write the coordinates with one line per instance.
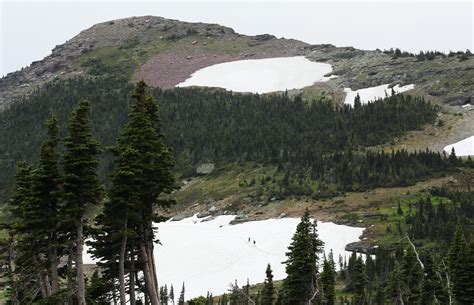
(225, 182)
(125, 59)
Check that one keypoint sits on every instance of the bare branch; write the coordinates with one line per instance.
(416, 252)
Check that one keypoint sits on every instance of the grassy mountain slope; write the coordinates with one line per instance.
(165, 52)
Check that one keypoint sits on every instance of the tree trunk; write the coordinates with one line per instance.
(153, 267)
(151, 257)
(152, 292)
(81, 289)
(70, 287)
(47, 284)
(53, 261)
(131, 278)
(42, 287)
(123, 248)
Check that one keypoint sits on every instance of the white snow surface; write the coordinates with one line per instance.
(462, 148)
(210, 255)
(373, 93)
(261, 75)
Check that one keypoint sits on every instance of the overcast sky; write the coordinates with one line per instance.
(30, 29)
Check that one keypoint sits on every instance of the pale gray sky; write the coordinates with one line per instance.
(30, 29)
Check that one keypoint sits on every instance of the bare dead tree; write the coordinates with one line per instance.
(416, 252)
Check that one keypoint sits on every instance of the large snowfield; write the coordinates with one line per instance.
(261, 75)
(373, 93)
(462, 148)
(210, 255)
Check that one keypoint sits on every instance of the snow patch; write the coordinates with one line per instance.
(373, 93)
(261, 75)
(210, 255)
(462, 148)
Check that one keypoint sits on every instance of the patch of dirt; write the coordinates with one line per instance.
(167, 69)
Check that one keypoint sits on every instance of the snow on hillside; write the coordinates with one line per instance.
(261, 75)
(462, 148)
(373, 93)
(211, 254)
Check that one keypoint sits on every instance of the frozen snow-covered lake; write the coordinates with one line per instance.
(210, 255)
(462, 148)
(373, 93)
(261, 75)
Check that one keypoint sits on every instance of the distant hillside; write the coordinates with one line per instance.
(165, 52)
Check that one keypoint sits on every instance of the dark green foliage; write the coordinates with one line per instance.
(328, 282)
(268, 291)
(395, 285)
(98, 290)
(360, 282)
(432, 289)
(459, 259)
(35, 222)
(196, 301)
(438, 222)
(301, 265)
(181, 296)
(233, 126)
(412, 277)
(22, 261)
(81, 184)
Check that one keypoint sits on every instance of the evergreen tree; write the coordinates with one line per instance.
(357, 102)
(412, 276)
(302, 264)
(432, 290)
(23, 266)
(328, 283)
(45, 211)
(268, 291)
(152, 168)
(458, 261)
(98, 290)
(469, 269)
(82, 189)
(395, 285)
(181, 296)
(171, 296)
(360, 282)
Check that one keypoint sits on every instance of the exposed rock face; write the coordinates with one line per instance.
(131, 32)
(205, 169)
(165, 52)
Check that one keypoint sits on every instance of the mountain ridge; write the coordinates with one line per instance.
(165, 52)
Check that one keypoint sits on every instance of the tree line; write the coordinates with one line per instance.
(215, 126)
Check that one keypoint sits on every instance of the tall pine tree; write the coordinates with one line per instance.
(301, 284)
(82, 189)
